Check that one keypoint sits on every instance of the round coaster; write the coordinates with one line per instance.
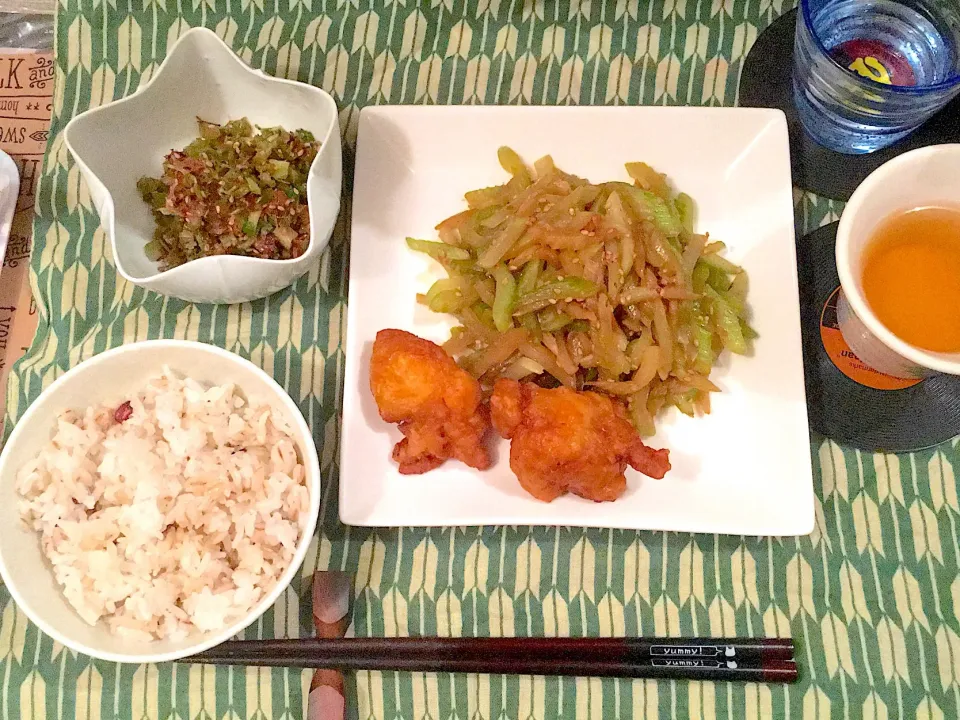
(847, 400)
(766, 81)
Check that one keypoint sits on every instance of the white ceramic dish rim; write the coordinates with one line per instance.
(308, 455)
(8, 199)
(941, 362)
(108, 208)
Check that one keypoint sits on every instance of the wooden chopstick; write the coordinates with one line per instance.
(745, 659)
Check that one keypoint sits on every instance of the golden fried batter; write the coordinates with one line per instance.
(436, 404)
(567, 441)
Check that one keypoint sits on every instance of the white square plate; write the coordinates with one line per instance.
(743, 469)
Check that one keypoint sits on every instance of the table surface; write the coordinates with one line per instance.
(872, 595)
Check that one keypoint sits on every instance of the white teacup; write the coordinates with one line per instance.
(926, 177)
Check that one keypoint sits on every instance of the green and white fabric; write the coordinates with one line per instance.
(872, 596)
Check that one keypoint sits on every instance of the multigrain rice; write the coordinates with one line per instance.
(174, 510)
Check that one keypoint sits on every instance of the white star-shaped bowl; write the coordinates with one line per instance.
(117, 144)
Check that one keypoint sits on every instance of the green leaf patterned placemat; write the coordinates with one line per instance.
(872, 595)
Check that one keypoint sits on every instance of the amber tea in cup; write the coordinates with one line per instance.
(911, 277)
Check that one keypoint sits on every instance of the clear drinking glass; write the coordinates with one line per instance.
(868, 72)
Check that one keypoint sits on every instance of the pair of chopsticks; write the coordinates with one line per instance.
(740, 659)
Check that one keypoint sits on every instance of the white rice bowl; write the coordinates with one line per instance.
(168, 525)
(178, 516)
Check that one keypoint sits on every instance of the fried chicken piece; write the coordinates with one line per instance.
(564, 441)
(436, 404)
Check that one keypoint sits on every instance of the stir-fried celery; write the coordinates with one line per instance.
(606, 287)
